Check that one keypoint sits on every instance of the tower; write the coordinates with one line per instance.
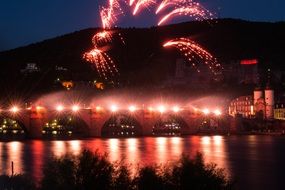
(269, 102)
(257, 94)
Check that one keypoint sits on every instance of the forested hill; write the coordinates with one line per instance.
(143, 54)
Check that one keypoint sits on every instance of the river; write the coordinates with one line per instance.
(255, 162)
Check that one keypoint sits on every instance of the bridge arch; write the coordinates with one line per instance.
(65, 125)
(170, 125)
(10, 126)
(121, 125)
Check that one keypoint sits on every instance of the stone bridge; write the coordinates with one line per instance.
(33, 119)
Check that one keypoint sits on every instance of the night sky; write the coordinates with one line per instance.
(26, 21)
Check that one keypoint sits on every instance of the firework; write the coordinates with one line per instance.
(109, 15)
(102, 62)
(167, 3)
(103, 37)
(192, 9)
(142, 4)
(195, 54)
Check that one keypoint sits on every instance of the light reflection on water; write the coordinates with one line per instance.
(240, 156)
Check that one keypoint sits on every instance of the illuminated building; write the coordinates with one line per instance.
(30, 68)
(279, 111)
(261, 104)
(242, 106)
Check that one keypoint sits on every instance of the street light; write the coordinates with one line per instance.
(114, 108)
(59, 108)
(14, 109)
(176, 109)
(161, 108)
(132, 108)
(206, 111)
(75, 108)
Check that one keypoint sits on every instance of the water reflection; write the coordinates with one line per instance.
(213, 149)
(74, 147)
(232, 153)
(114, 153)
(11, 152)
(58, 148)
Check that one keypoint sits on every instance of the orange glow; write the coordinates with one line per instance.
(39, 108)
(98, 108)
(150, 109)
(217, 112)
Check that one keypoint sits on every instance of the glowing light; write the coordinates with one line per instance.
(59, 108)
(151, 109)
(114, 108)
(206, 111)
(132, 108)
(98, 108)
(39, 108)
(194, 54)
(15, 109)
(75, 108)
(142, 4)
(217, 112)
(161, 108)
(176, 109)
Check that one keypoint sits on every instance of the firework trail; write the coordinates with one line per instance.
(192, 9)
(167, 3)
(131, 2)
(140, 4)
(102, 62)
(109, 15)
(195, 54)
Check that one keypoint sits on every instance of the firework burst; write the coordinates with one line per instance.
(103, 63)
(186, 8)
(140, 4)
(194, 54)
(103, 37)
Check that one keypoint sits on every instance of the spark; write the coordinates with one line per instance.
(103, 63)
(102, 38)
(192, 9)
(142, 4)
(194, 53)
